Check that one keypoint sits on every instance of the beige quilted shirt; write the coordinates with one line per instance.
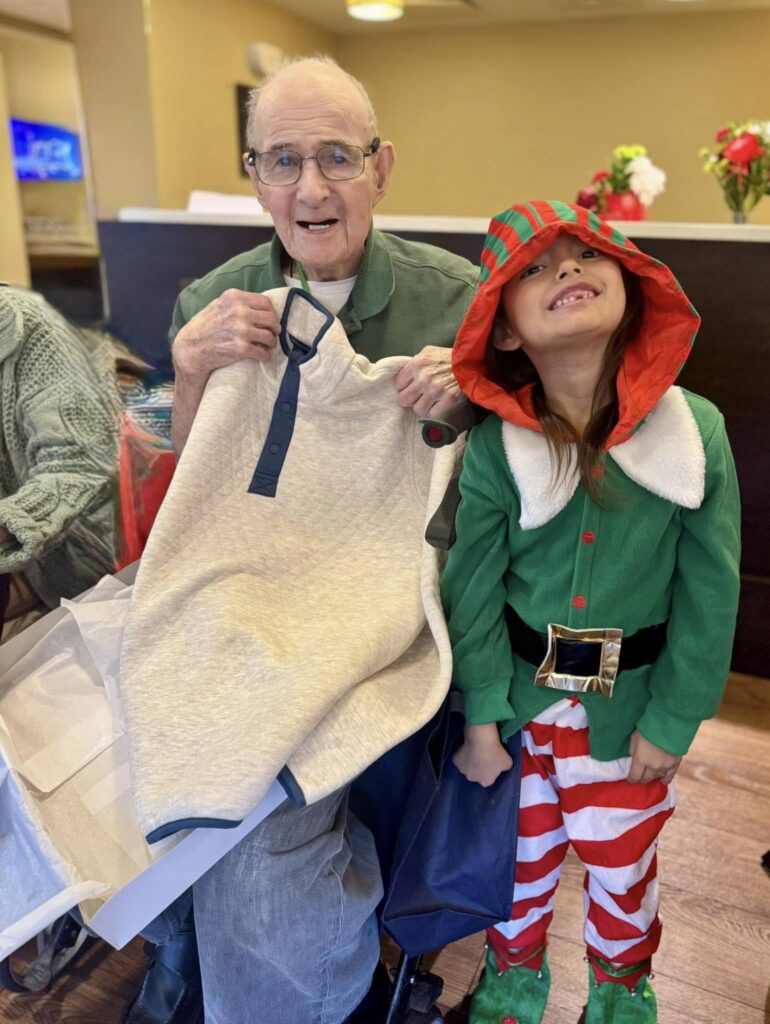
(301, 631)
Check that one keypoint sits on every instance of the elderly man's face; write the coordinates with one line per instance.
(323, 224)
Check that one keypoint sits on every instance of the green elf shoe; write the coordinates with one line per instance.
(613, 1002)
(515, 996)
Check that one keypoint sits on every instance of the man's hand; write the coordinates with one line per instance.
(649, 762)
(237, 325)
(426, 383)
(482, 757)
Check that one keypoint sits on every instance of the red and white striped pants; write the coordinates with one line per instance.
(569, 797)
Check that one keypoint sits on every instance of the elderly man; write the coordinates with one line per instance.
(285, 922)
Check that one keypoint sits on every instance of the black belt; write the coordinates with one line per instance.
(580, 657)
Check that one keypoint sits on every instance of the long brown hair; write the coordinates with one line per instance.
(514, 369)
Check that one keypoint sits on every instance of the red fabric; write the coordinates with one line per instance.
(608, 794)
(634, 842)
(531, 955)
(567, 795)
(540, 819)
(146, 465)
(533, 871)
(565, 742)
(629, 980)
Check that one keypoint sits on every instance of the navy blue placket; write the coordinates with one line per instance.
(279, 434)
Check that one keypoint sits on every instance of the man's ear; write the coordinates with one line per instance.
(384, 161)
(502, 337)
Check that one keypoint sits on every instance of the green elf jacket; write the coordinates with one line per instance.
(664, 546)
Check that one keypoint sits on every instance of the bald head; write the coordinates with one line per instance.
(302, 83)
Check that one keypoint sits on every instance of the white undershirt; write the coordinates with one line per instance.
(332, 294)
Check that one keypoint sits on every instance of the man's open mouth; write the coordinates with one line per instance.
(317, 225)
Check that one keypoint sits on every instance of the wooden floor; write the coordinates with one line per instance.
(713, 966)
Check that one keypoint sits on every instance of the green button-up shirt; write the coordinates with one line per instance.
(407, 294)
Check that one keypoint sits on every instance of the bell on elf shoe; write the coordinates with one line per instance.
(619, 996)
(514, 995)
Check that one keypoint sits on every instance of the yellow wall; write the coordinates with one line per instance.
(41, 83)
(13, 254)
(480, 117)
(112, 62)
(196, 59)
(484, 117)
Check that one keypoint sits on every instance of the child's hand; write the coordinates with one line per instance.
(482, 757)
(649, 762)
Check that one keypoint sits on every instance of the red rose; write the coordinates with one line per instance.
(723, 134)
(588, 198)
(743, 150)
(600, 176)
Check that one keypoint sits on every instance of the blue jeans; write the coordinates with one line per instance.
(286, 924)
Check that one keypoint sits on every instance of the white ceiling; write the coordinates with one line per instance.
(331, 14)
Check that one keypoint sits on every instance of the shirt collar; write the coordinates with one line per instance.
(665, 456)
(275, 267)
(374, 283)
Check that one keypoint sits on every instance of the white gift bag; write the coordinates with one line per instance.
(68, 830)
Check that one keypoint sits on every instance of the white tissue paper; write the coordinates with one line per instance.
(68, 830)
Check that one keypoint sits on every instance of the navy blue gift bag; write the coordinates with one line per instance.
(454, 861)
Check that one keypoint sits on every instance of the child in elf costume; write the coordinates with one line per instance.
(592, 590)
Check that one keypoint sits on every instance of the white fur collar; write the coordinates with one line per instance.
(665, 456)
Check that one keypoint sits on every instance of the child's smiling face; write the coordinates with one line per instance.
(570, 295)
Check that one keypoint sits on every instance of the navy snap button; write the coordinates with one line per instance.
(275, 448)
(286, 407)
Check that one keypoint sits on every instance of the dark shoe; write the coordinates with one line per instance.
(373, 1009)
(171, 989)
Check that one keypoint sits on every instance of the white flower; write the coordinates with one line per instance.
(646, 180)
(639, 163)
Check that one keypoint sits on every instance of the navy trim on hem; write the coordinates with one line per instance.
(177, 826)
(291, 787)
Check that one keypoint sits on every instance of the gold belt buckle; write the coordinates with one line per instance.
(603, 682)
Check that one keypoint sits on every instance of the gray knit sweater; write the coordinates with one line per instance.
(58, 448)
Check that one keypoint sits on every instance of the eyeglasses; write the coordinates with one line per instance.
(336, 162)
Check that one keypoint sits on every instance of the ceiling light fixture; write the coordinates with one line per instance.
(382, 10)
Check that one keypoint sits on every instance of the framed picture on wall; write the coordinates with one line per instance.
(241, 100)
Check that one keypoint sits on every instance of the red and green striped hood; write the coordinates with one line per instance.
(650, 364)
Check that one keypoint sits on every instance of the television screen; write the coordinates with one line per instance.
(45, 152)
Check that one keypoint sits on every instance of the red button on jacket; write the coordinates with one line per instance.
(588, 537)
(578, 601)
